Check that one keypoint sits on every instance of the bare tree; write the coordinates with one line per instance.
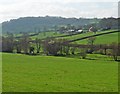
(8, 43)
(18, 46)
(52, 47)
(115, 51)
(25, 43)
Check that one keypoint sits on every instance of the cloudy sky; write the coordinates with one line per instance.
(12, 9)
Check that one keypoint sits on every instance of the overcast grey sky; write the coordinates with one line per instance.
(12, 9)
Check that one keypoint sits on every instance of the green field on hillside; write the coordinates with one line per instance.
(43, 35)
(23, 73)
(104, 39)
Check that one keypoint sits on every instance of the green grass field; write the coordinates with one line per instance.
(104, 39)
(23, 73)
(46, 34)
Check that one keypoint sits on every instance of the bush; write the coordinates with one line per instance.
(83, 53)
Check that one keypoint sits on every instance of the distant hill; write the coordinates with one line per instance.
(36, 24)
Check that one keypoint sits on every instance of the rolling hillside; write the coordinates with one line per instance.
(104, 39)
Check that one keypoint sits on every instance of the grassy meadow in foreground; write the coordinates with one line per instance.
(22, 73)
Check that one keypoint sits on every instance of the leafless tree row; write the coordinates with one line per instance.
(55, 47)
